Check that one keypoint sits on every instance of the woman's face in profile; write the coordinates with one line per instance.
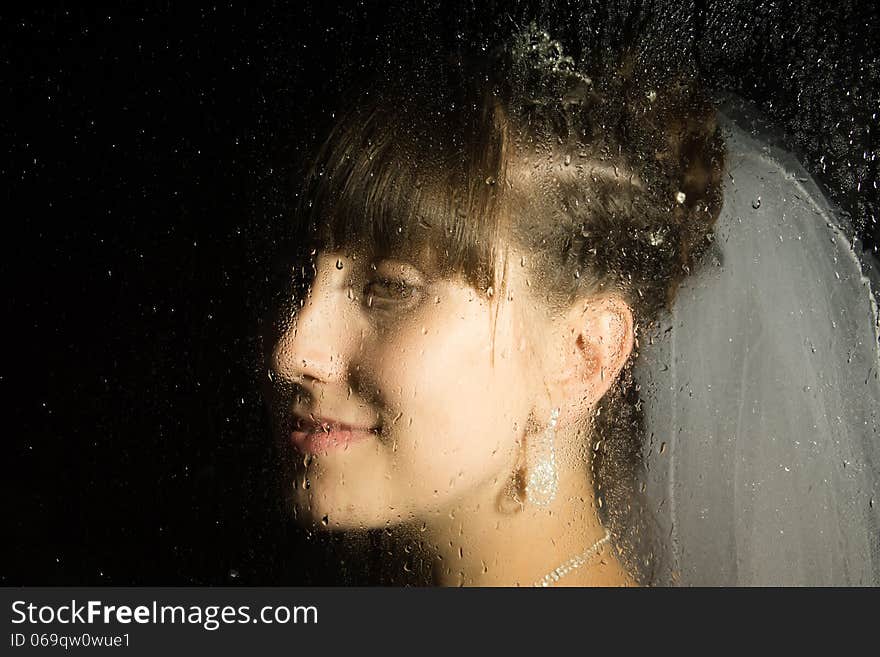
(411, 392)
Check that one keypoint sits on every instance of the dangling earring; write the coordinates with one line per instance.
(543, 479)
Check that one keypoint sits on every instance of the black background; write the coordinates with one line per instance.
(147, 162)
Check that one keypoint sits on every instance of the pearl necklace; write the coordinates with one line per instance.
(575, 562)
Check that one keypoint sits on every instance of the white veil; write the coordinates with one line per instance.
(761, 389)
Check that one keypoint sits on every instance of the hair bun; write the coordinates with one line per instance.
(542, 72)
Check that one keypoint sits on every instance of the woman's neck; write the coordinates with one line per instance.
(479, 545)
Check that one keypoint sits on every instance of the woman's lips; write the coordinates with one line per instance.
(314, 437)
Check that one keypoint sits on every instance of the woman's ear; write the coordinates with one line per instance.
(599, 336)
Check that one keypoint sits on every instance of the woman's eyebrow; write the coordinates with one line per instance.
(402, 264)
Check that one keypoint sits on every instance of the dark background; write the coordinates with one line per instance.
(147, 164)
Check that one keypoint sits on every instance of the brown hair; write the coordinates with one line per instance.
(610, 176)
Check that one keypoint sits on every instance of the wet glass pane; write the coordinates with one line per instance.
(420, 294)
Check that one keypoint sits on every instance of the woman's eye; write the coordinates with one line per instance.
(386, 290)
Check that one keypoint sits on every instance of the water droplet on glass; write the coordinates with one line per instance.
(680, 197)
(756, 203)
(339, 264)
(567, 159)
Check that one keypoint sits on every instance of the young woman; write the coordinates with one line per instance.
(485, 238)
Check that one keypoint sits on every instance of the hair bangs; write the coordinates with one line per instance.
(404, 183)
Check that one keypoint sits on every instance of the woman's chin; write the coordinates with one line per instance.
(324, 516)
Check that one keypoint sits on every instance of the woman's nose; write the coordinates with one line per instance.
(317, 343)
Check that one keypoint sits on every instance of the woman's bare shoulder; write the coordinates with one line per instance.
(605, 570)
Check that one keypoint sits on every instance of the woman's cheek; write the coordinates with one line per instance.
(453, 432)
